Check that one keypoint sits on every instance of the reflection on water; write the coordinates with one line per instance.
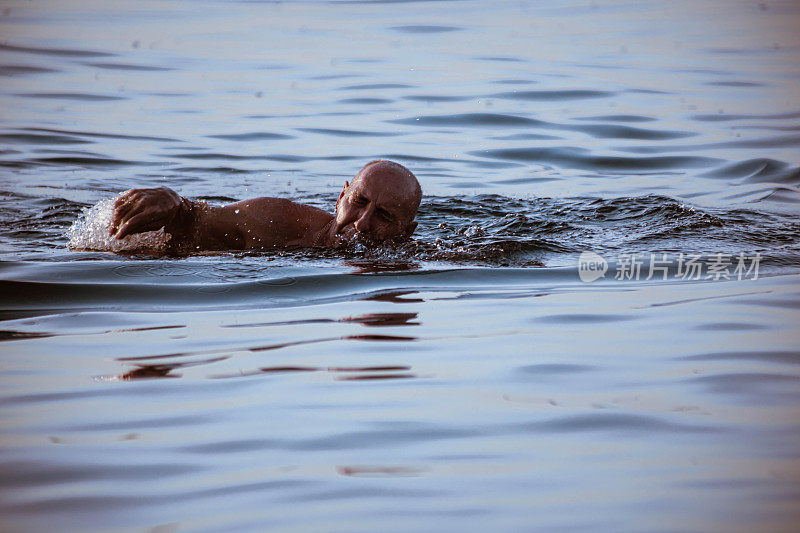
(394, 297)
(561, 389)
(202, 357)
(339, 374)
(380, 265)
(379, 471)
(467, 380)
(150, 371)
(384, 319)
(368, 319)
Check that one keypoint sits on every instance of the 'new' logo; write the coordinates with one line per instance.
(591, 266)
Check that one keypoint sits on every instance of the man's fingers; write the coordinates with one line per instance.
(121, 212)
(123, 197)
(127, 198)
(135, 224)
(126, 209)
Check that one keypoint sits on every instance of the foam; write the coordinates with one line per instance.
(90, 232)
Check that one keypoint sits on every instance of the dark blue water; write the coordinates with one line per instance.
(467, 380)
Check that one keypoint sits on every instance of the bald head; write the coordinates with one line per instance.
(396, 177)
(380, 203)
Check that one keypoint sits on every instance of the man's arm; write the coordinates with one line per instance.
(256, 223)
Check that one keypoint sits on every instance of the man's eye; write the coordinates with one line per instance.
(359, 200)
(385, 216)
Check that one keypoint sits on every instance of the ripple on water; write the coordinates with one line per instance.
(616, 423)
(758, 170)
(94, 161)
(66, 52)
(555, 369)
(765, 356)
(724, 117)
(375, 86)
(103, 135)
(129, 67)
(24, 70)
(609, 131)
(735, 84)
(424, 29)
(618, 118)
(366, 101)
(228, 446)
(83, 97)
(583, 318)
(142, 423)
(436, 98)
(602, 131)
(775, 141)
(730, 326)
(19, 474)
(349, 133)
(32, 138)
(470, 119)
(768, 142)
(526, 137)
(753, 388)
(576, 157)
(252, 136)
(543, 95)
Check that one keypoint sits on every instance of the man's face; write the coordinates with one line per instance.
(375, 209)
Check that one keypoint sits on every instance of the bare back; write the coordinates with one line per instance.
(259, 223)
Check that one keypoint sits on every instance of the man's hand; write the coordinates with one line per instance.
(140, 210)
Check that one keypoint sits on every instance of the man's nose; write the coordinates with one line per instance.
(364, 222)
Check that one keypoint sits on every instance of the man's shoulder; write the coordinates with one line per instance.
(280, 218)
(281, 206)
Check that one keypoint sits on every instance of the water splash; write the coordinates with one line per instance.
(90, 232)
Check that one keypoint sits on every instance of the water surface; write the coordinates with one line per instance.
(467, 380)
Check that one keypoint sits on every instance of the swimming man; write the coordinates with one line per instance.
(378, 205)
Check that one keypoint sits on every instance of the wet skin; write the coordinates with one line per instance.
(378, 205)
